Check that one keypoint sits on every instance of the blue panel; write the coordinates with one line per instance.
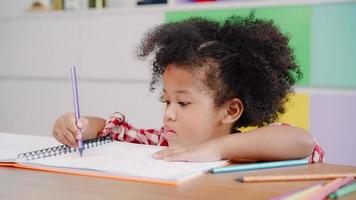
(333, 60)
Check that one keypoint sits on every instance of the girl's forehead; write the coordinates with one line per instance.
(183, 77)
(193, 72)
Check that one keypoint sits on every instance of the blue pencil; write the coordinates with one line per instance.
(255, 166)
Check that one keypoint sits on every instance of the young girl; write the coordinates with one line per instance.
(217, 78)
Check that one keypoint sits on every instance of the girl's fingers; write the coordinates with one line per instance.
(66, 130)
(83, 123)
(163, 153)
(177, 156)
(171, 154)
(62, 139)
(75, 131)
(68, 134)
(160, 154)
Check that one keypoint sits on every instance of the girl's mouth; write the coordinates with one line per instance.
(169, 131)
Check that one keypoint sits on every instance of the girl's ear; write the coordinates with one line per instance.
(233, 111)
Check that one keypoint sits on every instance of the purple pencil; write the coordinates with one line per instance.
(76, 105)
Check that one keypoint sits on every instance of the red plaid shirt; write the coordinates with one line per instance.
(120, 130)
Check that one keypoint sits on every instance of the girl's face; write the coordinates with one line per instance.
(190, 112)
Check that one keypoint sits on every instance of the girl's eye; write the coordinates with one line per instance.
(162, 99)
(183, 104)
(166, 102)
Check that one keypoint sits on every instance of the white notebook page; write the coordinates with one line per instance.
(128, 159)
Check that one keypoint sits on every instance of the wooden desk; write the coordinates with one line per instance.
(28, 184)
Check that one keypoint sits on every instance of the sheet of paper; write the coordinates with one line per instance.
(127, 159)
(12, 144)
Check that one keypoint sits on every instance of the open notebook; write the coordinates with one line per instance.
(111, 159)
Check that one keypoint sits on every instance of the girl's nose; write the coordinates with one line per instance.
(169, 114)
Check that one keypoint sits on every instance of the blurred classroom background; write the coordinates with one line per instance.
(40, 40)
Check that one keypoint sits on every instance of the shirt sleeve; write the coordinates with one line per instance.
(120, 130)
(317, 156)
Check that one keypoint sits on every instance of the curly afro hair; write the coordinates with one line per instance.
(242, 57)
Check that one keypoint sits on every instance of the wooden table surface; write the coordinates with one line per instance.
(27, 184)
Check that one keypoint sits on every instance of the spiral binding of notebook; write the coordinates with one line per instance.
(62, 149)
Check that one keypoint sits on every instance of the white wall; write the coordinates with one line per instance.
(37, 51)
(10, 8)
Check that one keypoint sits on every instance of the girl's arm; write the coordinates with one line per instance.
(120, 130)
(275, 142)
(93, 126)
(66, 131)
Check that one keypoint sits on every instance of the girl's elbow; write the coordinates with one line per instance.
(306, 143)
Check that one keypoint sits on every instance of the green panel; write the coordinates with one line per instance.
(293, 21)
(334, 46)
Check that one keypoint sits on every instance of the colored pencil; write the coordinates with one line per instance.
(304, 193)
(344, 191)
(290, 193)
(256, 166)
(76, 105)
(328, 189)
(295, 177)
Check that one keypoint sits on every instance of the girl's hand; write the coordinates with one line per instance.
(66, 131)
(205, 151)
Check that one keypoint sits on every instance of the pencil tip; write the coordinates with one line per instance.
(81, 152)
(239, 179)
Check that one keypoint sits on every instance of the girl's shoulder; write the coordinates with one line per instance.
(280, 124)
